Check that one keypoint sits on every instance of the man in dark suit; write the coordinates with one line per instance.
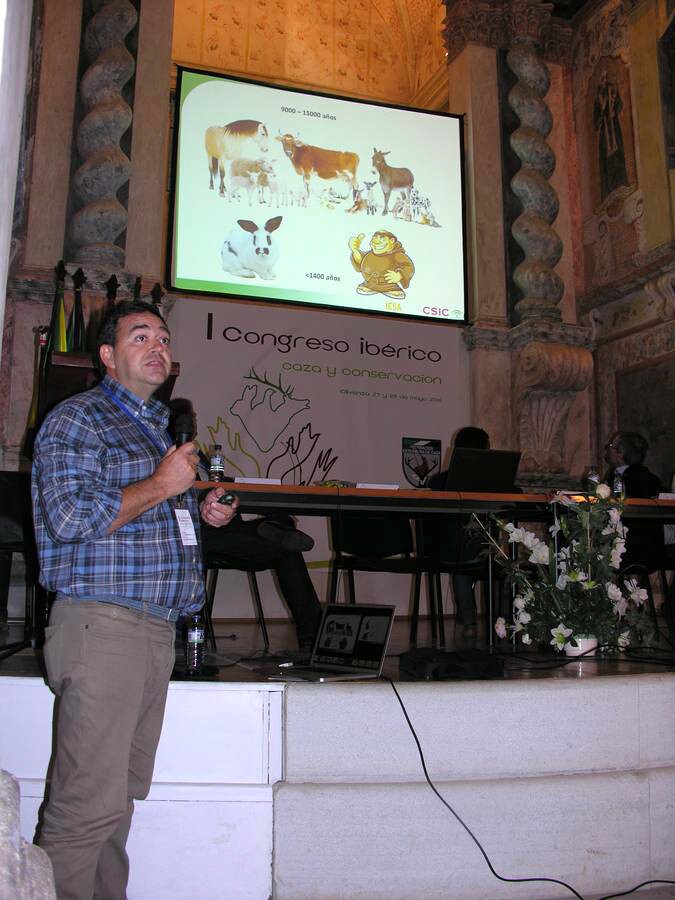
(625, 452)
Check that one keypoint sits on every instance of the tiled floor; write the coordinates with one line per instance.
(240, 654)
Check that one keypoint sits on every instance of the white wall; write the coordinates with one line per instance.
(15, 19)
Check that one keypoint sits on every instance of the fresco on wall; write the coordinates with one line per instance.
(612, 231)
(608, 106)
(624, 110)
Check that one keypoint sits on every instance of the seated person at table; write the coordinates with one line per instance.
(449, 540)
(269, 541)
(264, 541)
(624, 454)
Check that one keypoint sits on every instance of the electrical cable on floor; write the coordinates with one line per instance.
(478, 843)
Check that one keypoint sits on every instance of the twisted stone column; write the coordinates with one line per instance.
(541, 286)
(101, 218)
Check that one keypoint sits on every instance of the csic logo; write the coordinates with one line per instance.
(437, 311)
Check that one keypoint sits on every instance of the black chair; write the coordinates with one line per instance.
(213, 563)
(645, 555)
(16, 536)
(373, 542)
(668, 590)
(448, 548)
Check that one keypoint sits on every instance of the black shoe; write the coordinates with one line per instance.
(285, 535)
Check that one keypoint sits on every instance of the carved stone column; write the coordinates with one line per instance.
(541, 286)
(100, 219)
(550, 363)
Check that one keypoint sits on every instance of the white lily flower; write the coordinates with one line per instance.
(615, 525)
(637, 594)
(613, 592)
(540, 555)
(620, 607)
(560, 635)
(618, 549)
(530, 540)
(500, 627)
(577, 575)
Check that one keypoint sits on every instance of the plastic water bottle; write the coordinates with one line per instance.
(592, 479)
(194, 645)
(617, 485)
(216, 463)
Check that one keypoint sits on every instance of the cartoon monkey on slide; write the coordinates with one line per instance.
(386, 268)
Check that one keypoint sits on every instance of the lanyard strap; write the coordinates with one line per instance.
(120, 404)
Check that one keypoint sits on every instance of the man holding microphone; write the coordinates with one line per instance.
(117, 525)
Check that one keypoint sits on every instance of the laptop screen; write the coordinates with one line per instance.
(482, 470)
(353, 636)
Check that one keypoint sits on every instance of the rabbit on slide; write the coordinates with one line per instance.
(249, 250)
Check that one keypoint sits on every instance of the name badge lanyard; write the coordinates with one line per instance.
(186, 526)
(151, 436)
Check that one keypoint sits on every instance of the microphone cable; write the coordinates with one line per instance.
(478, 844)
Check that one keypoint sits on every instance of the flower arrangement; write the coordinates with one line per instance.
(568, 587)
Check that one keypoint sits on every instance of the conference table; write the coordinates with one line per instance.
(315, 500)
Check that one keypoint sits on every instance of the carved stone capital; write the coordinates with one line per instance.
(546, 378)
(482, 337)
(512, 339)
(504, 23)
(528, 20)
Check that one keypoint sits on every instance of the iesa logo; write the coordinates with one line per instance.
(442, 311)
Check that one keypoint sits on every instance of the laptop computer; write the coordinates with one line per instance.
(493, 471)
(351, 644)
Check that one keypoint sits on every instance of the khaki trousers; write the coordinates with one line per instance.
(109, 667)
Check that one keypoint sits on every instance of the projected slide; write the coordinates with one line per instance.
(305, 199)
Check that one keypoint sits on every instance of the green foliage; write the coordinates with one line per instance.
(569, 586)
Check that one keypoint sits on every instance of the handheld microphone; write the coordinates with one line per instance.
(183, 428)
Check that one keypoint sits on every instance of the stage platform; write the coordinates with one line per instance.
(316, 791)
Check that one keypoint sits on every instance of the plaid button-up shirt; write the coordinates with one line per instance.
(88, 449)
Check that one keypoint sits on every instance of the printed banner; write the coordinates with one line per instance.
(307, 396)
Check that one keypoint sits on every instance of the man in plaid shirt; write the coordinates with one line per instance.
(116, 522)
